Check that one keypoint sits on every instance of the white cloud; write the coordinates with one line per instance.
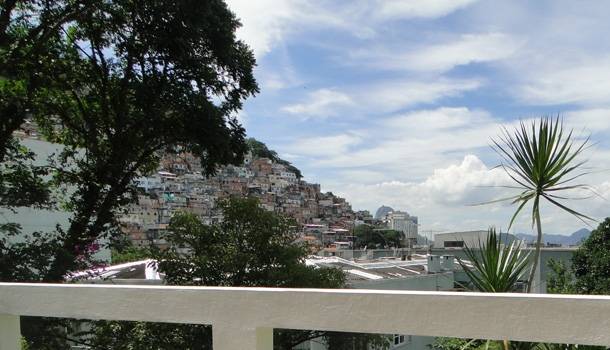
(274, 81)
(380, 97)
(268, 23)
(597, 120)
(399, 133)
(393, 95)
(437, 119)
(584, 83)
(324, 145)
(264, 22)
(320, 103)
(469, 48)
(443, 199)
(364, 176)
(412, 143)
(438, 57)
(458, 183)
(281, 76)
(392, 9)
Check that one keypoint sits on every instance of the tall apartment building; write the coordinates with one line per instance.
(402, 221)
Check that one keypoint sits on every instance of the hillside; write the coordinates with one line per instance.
(260, 150)
(573, 239)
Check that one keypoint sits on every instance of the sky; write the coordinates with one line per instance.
(397, 102)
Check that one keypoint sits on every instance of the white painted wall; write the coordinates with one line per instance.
(9, 332)
(576, 319)
(40, 220)
(428, 282)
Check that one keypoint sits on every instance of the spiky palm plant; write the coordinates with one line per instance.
(541, 160)
(494, 267)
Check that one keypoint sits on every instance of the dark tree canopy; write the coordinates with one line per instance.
(252, 247)
(372, 237)
(591, 262)
(589, 272)
(118, 82)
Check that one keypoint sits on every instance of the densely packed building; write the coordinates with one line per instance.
(324, 219)
(179, 186)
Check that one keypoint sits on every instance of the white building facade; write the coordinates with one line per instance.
(402, 221)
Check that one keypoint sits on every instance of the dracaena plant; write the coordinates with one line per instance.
(494, 266)
(542, 160)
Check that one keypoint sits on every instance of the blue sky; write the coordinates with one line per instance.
(395, 102)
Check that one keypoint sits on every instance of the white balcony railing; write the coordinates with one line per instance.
(244, 318)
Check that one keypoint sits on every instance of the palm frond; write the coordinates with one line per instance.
(493, 266)
(542, 160)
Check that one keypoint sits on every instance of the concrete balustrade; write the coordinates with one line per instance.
(9, 332)
(244, 318)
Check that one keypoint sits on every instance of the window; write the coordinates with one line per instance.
(399, 339)
(453, 244)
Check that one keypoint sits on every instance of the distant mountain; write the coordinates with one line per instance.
(573, 239)
(382, 211)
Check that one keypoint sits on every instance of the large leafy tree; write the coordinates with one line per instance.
(542, 161)
(115, 82)
(591, 262)
(589, 272)
(118, 82)
(27, 42)
(252, 247)
(369, 236)
(22, 184)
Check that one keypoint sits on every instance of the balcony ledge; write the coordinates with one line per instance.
(574, 319)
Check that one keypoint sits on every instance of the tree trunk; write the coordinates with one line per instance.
(530, 281)
(77, 235)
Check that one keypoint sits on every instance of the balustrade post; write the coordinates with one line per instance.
(10, 332)
(231, 338)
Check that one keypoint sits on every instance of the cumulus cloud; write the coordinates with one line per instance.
(442, 200)
(467, 183)
(458, 183)
(429, 162)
